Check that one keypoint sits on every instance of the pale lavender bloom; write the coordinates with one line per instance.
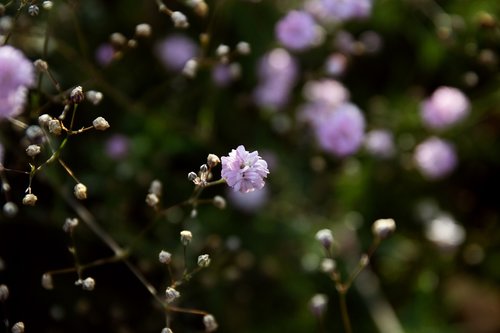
(297, 30)
(341, 131)
(104, 54)
(380, 143)
(342, 10)
(249, 202)
(435, 158)
(336, 64)
(175, 50)
(222, 75)
(444, 108)
(16, 76)
(327, 92)
(244, 171)
(344, 42)
(117, 146)
(277, 71)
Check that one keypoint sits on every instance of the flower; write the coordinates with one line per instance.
(117, 146)
(175, 50)
(244, 171)
(435, 158)
(380, 143)
(297, 30)
(444, 108)
(342, 10)
(17, 74)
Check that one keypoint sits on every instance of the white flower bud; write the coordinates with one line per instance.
(88, 284)
(100, 124)
(33, 10)
(80, 191)
(328, 265)
(4, 292)
(383, 228)
(44, 119)
(77, 96)
(18, 327)
(94, 97)
(165, 257)
(10, 209)
(143, 30)
(132, 43)
(70, 224)
(47, 282)
(166, 330)
(41, 65)
(172, 294)
(155, 187)
(190, 68)
(210, 323)
(192, 176)
(47, 5)
(325, 237)
(179, 19)
(33, 150)
(29, 199)
(55, 126)
(204, 260)
(243, 48)
(117, 39)
(219, 202)
(222, 50)
(186, 237)
(212, 160)
(318, 304)
(152, 200)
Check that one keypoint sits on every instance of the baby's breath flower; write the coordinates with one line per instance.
(100, 124)
(33, 150)
(77, 96)
(117, 39)
(204, 260)
(318, 304)
(186, 237)
(47, 282)
(18, 327)
(243, 48)
(70, 224)
(47, 5)
(152, 200)
(222, 50)
(95, 97)
(155, 187)
(179, 19)
(219, 202)
(10, 209)
(328, 265)
(55, 126)
(88, 284)
(212, 160)
(190, 68)
(165, 257)
(80, 191)
(41, 65)
(383, 228)
(44, 120)
(172, 294)
(166, 330)
(143, 30)
(210, 323)
(4, 292)
(325, 237)
(33, 10)
(29, 199)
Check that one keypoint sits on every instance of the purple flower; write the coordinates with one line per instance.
(104, 54)
(175, 50)
(341, 130)
(224, 74)
(327, 92)
(297, 31)
(336, 64)
(16, 76)
(342, 10)
(244, 171)
(444, 108)
(380, 143)
(117, 146)
(435, 158)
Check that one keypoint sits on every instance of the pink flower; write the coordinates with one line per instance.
(297, 30)
(435, 158)
(244, 171)
(444, 108)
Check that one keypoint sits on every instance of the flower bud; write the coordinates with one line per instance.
(94, 97)
(325, 237)
(18, 327)
(76, 96)
(41, 65)
(155, 187)
(212, 160)
(179, 19)
(10, 209)
(165, 257)
(33, 10)
(44, 119)
(80, 191)
(190, 68)
(203, 168)
(383, 228)
(219, 202)
(152, 200)
(29, 199)
(117, 39)
(100, 124)
(172, 294)
(143, 30)
(4, 292)
(33, 150)
(166, 330)
(192, 176)
(70, 224)
(88, 284)
(210, 323)
(222, 50)
(328, 265)
(204, 260)
(55, 126)
(318, 304)
(47, 282)
(186, 237)
(243, 48)
(47, 5)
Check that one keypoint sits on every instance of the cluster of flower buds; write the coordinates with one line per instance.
(205, 173)
(87, 283)
(153, 197)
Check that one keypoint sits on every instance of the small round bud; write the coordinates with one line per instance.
(166, 330)
(132, 43)
(10, 209)
(325, 237)
(33, 10)
(95, 97)
(186, 237)
(4, 292)
(219, 202)
(143, 30)
(203, 168)
(190, 68)
(47, 282)
(243, 48)
(47, 5)
(179, 20)
(29, 199)
(18, 327)
(201, 8)
(155, 187)
(172, 294)
(318, 304)
(34, 133)
(41, 65)
(80, 191)
(165, 257)
(117, 39)
(210, 323)
(33, 150)
(70, 224)
(383, 228)
(44, 119)
(55, 126)
(222, 50)
(204, 260)
(213, 160)
(152, 200)
(192, 176)
(100, 124)
(88, 284)
(77, 96)
(328, 265)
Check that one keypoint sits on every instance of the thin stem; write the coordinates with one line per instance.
(183, 310)
(72, 250)
(343, 310)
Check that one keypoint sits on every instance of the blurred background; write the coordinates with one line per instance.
(439, 272)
